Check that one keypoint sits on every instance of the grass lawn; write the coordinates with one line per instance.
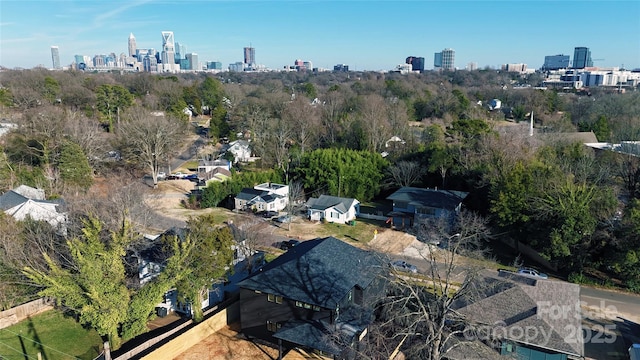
(55, 336)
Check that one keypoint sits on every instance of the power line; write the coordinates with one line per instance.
(41, 344)
(16, 350)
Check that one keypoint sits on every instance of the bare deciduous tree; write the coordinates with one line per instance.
(404, 173)
(148, 140)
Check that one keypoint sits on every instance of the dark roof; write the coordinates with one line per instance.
(11, 199)
(524, 305)
(319, 272)
(250, 194)
(440, 199)
(312, 334)
(327, 201)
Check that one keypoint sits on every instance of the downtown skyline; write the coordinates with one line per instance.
(374, 35)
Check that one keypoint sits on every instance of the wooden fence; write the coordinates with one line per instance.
(21, 312)
(172, 343)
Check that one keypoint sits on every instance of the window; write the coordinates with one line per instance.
(316, 308)
(278, 299)
(271, 297)
(273, 326)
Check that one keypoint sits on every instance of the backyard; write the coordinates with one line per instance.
(53, 335)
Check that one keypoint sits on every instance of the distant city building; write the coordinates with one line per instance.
(185, 64)
(79, 59)
(472, 66)
(417, 63)
(132, 45)
(516, 68)
(214, 65)
(99, 61)
(448, 59)
(181, 52)
(150, 62)
(444, 60)
(582, 58)
(168, 54)
(308, 65)
(341, 67)
(437, 60)
(250, 56)
(55, 57)
(193, 61)
(403, 68)
(556, 62)
(236, 67)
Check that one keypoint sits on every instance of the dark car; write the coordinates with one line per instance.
(288, 244)
(401, 265)
(268, 214)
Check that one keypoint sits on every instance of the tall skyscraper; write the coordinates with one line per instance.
(55, 57)
(132, 45)
(249, 56)
(168, 48)
(181, 51)
(582, 58)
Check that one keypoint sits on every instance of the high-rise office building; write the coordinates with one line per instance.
(445, 60)
(214, 65)
(167, 56)
(582, 58)
(448, 59)
(181, 51)
(193, 61)
(556, 62)
(132, 45)
(417, 63)
(341, 67)
(55, 57)
(249, 56)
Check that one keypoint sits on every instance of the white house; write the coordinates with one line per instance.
(263, 197)
(333, 209)
(241, 150)
(25, 201)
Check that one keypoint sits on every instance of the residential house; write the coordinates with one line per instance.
(523, 318)
(241, 150)
(263, 197)
(333, 209)
(411, 205)
(318, 296)
(25, 201)
(213, 170)
(150, 261)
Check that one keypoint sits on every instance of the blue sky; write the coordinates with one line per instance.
(366, 35)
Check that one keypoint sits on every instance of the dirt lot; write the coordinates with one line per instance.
(228, 344)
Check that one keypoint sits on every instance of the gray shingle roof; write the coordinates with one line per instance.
(549, 309)
(319, 272)
(326, 201)
(11, 199)
(441, 199)
(250, 193)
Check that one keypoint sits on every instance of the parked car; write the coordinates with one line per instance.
(288, 244)
(401, 265)
(268, 214)
(162, 175)
(283, 219)
(532, 273)
(191, 177)
(178, 175)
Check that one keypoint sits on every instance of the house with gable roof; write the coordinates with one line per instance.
(25, 201)
(263, 197)
(524, 318)
(411, 205)
(318, 296)
(333, 209)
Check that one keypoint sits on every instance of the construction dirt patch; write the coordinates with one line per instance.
(228, 344)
